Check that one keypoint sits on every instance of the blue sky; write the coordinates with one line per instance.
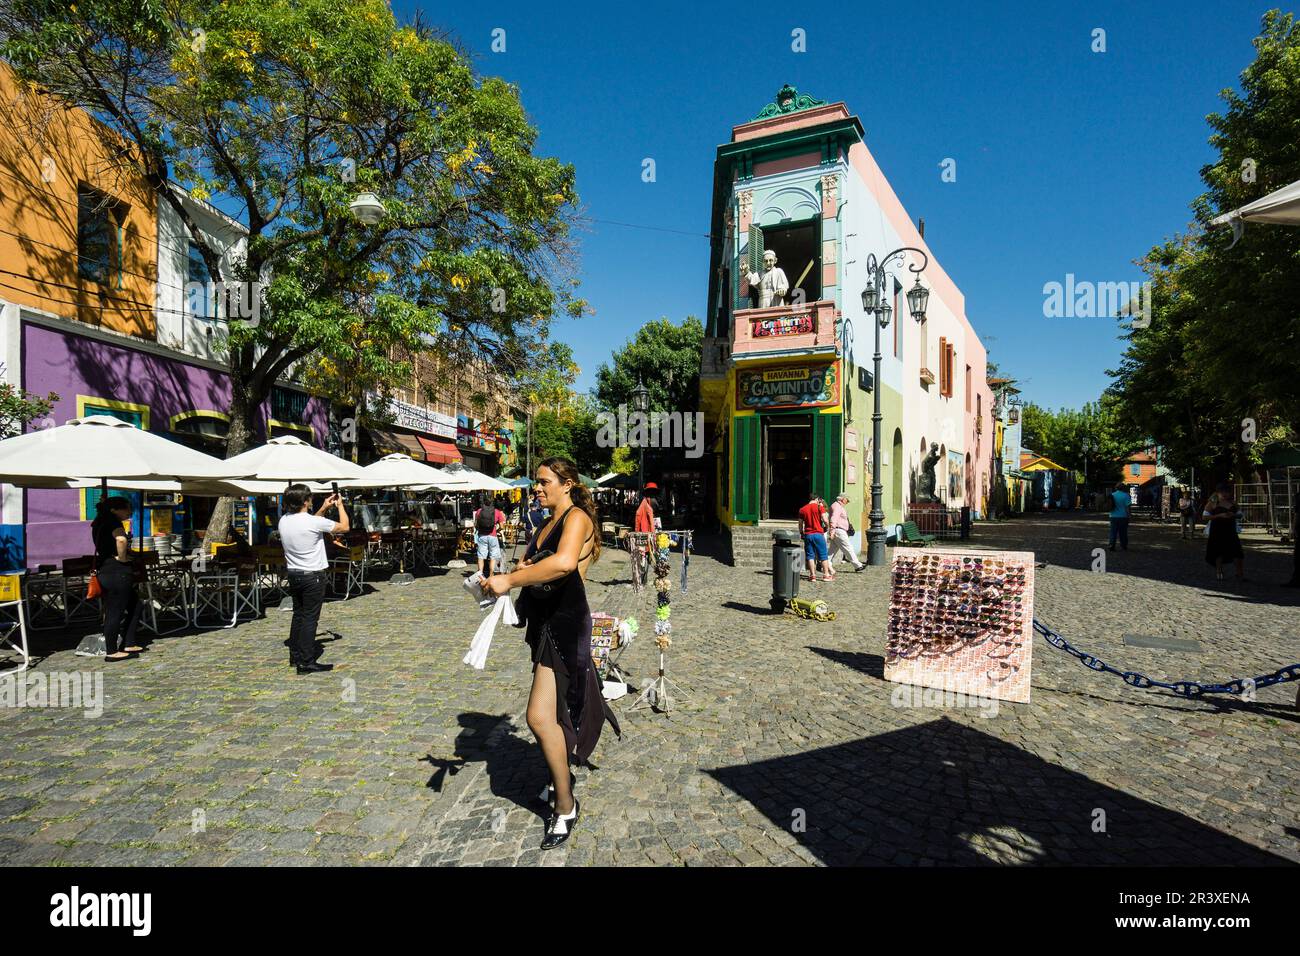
(1067, 161)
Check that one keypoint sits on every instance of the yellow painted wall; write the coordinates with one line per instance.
(46, 152)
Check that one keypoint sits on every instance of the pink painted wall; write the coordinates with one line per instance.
(802, 161)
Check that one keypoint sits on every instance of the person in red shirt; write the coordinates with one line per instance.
(813, 529)
(646, 522)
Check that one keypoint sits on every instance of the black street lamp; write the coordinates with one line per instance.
(641, 403)
(875, 305)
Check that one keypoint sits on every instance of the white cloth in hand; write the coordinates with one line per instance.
(504, 610)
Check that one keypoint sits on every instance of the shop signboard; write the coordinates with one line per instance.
(792, 386)
(784, 325)
(425, 420)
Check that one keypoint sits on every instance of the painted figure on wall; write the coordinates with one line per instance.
(772, 285)
(928, 481)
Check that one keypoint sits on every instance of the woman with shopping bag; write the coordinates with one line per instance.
(565, 706)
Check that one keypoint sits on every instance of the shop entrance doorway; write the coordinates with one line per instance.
(787, 465)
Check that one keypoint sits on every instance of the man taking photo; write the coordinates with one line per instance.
(302, 535)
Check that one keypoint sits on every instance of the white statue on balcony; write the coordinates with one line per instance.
(772, 285)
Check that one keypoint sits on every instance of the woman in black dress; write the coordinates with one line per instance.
(115, 568)
(1224, 544)
(565, 708)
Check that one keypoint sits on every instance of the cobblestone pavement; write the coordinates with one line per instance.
(788, 747)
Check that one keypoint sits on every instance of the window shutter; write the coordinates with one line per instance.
(943, 366)
(745, 467)
(828, 450)
(756, 249)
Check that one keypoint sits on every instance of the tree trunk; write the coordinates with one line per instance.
(243, 426)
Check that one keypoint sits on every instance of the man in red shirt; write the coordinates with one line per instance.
(813, 530)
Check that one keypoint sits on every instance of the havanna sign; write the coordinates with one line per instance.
(794, 386)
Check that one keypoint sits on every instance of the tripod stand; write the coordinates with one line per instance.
(658, 694)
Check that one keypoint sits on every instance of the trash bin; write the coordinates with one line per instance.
(787, 565)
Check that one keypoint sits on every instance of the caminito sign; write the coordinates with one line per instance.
(799, 386)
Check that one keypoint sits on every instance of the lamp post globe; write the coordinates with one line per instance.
(918, 297)
(367, 209)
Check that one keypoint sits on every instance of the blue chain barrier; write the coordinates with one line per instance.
(1187, 688)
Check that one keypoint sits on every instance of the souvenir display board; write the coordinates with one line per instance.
(962, 621)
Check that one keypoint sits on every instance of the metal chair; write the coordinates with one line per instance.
(167, 599)
(351, 569)
(11, 602)
(76, 578)
(227, 593)
(45, 600)
(272, 575)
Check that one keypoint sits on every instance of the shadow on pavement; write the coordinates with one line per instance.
(514, 766)
(1156, 552)
(871, 664)
(945, 792)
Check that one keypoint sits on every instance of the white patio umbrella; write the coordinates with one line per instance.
(474, 481)
(403, 471)
(1282, 206)
(105, 449)
(287, 459)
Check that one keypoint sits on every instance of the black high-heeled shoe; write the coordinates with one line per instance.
(560, 828)
(548, 792)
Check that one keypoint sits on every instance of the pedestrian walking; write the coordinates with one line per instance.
(841, 532)
(115, 570)
(488, 520)
(303, 534)
(1223, 542)
(1187, 514)
(1121, 504)
(812, 528)
(566, 710)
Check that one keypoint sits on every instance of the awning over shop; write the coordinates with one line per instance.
(387, 443)
(439, 451)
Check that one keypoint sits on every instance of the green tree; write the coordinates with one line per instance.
(18, 407)
(1219, 351)
(286, 110)
(665, 357)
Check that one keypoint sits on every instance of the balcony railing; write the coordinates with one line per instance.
(784, 327)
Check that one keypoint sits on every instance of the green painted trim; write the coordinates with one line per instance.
(850, 128)
(788, 100)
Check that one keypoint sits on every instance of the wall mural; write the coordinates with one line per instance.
(962, 621)
(955, 463)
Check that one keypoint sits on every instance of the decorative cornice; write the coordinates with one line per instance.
(788, 100)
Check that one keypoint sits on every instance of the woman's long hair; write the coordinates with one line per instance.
(566, 470)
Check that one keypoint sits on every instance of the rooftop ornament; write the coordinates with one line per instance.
(789, 100)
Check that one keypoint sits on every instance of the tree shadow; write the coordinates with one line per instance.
(947, 793)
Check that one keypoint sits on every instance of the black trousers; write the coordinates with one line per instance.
(307, 588)
(121, 604)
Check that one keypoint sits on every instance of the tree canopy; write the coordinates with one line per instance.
(665, 357)
(282, 113)
(1214, 374)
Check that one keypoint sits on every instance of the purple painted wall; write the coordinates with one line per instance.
(74, 365)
